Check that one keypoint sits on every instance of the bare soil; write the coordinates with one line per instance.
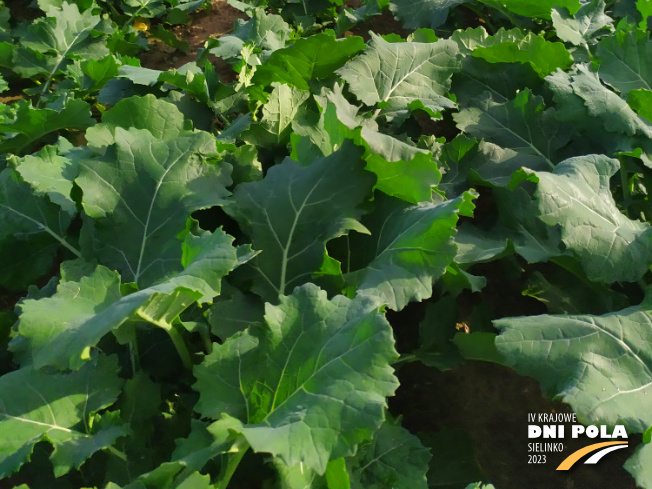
(213, 22)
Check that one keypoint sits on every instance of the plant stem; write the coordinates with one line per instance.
(238, 450)
(409, 358)
(117, 453)
(180, 346)
(624, 182)
(133, 354)
(208, 344)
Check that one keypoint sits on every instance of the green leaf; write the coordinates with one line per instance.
(408, 248)
(98, 72)
(57, 408)
(48, 44)
(265, 32)
(83, 311)
(278, 113)
(314, 57)
(645, 8)
(522, 125)
(205, 442)
(503, 80)
(402, 169)
(397, 74)
(32, 230)
(565, 293)
(589, 23)
(577, 197)
(477, 246)
(144, 8)
(51, 173)
(411, 180)
(519, 221)
(625, 61)
(336, 475)
(30, 125)
(311, 384)
(543, 56)
(162, 119)
(294, 211)
(641, 101)
(146, 188)
(600, 365)
(538, 9)
(5, 31)
(196, 481)
(647, 436)
(603, 121)
(169, 38)
(233, 313)
(423, 13)
(639, 465)
(393, 458)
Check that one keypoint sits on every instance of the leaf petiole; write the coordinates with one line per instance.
(180, 346)
(239, 448)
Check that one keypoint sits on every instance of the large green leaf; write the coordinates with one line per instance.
(577, 198)
(626, 60)
(310, 58)
(58, 408)
(423, 13)
(542, 55)
(408, 248)
(48, 44)
(640, 467)
(32, 230)
(582, 85)
(294, 211)
(30, 124)
(309, 385)
(519, 221)
(139, 194)
(589, 23)
(539, 9)
(600, 365)
(395, 75)
(162, 119)
(84, 310)
(522, 125)
(502, 80)
(394, 458)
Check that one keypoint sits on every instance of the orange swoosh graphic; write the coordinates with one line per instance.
(575, 456)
